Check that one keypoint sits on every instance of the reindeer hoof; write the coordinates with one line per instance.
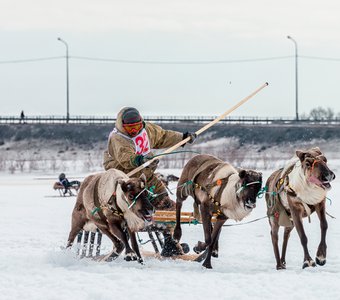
(207, 265)
(140, 260)
(281, 267)
(130, 256)
(199, 247)
(214, 253)
(185, 248)
(170, 248)
(321, 261)
(308, 263)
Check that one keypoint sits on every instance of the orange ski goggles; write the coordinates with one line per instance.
(134, 128)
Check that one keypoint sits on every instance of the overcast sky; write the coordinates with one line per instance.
(236, 35)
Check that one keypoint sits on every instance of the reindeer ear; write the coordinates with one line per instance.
(300, 154)
(143, 178)
(123, 184)
(317, 150)
(322, 157)
(242, 173)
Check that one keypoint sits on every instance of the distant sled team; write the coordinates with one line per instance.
(121, 206)
(66, 187)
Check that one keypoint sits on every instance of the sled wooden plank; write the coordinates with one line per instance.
(172, 213)
(170, 216)
(62, 188)
(169, 219)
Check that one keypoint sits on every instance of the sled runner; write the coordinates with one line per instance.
(189, 257)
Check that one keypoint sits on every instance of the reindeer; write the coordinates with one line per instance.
(294, 192)
(113, 202)
(217, 187)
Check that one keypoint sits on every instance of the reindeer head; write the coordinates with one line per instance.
(249, 186)
(136, 196)
(314, 166)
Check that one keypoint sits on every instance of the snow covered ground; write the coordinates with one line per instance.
(35, 225)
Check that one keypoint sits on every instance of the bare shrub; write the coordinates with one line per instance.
(321, 113)
(12, 167)
(21, 164)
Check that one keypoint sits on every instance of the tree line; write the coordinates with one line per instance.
(321, 113)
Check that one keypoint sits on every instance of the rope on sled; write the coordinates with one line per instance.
(188, 185)
(154, 195)
(140, 240)
(196, 222)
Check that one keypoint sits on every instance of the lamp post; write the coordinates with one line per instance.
(67, 83)
(296, 77)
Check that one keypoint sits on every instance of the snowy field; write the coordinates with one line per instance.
(35, 225)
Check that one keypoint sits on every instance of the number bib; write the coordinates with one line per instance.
(141, 142)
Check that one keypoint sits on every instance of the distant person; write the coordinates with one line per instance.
(22, 117)
(67, 184)
(130, 144)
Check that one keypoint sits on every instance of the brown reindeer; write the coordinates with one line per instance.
(113, 202)
(217, 187)
(295, 192)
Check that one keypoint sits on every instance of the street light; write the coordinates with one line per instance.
(296, 77)
(67, 83)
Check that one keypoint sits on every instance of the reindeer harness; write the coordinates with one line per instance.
(215, 166)
(111, 204)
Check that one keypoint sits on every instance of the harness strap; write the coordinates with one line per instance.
(280, 183)
(216, 203)
(274, 202)
(221, 183)
(97, 204)
(205, 165)
(111, 204)
(189, 186)
(290, 191)
(307, 209)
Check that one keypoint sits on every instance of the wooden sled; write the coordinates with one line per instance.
(71, 191)
(165, 221)
(89, 243)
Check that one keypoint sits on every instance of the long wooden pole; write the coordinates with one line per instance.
(198, 132)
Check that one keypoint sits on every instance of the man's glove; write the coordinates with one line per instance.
(138, 160)
(191, 135)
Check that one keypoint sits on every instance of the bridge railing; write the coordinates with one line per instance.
(162, 119)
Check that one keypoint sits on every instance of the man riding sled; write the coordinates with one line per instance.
(130, 144)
